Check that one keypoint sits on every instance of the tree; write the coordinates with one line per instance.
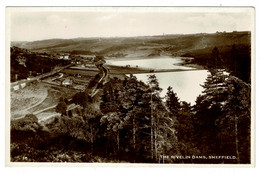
(185, 131)
(129, 109)
(140, 125)
(181, 113)
(215, 60)
(61, 107)
(234, 124)
(172, 101)
(163, 138)
(208, 108)
(109, 102)
(222, 117)
(114, 124)
(234, 58)
(84, 127)
(80, 98)
(240, 62)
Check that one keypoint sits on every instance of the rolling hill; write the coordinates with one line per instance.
(139, 46)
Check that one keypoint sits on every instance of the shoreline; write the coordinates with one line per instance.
(116, 69)
(123, 70)
(191, 65)
(143, 58)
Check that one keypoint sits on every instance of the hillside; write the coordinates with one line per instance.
(138, 46)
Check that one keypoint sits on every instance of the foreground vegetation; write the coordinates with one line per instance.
(133, 124)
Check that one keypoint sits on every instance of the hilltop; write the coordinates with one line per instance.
(176, 45)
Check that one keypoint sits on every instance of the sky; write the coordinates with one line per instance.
(30, 24)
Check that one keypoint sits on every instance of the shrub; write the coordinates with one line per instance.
(28, 123)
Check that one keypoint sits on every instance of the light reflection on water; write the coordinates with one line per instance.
(187, 84)
(151, 63)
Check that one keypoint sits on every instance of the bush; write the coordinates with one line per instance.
(28, 123)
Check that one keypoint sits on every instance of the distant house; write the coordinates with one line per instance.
(30, 77)
(78, 62)
(16, 87)
(89, 65)
(67, 82)
(23, 85)
(44, 56)
(64, 56)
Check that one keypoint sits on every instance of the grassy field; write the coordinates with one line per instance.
(46, 109)
(89, 73)
(52, 99)
(38, 99)
(25, 99)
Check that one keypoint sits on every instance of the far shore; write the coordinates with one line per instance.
(132, 70)
(139, 70)
(141, 58)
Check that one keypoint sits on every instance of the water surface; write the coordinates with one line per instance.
(151, 63)
(187, 84)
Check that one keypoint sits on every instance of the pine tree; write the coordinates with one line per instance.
(234, 124)
(181, 113)
(234, 58)
(172, 101)
(124, 118)
(109, 102)
(222, 117)
(215, 61)
(141, 126)
(208, 108)
(163, 136)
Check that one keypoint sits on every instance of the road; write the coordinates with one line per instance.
(104, 70)
(17, 83)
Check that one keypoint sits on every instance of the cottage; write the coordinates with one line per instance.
(16, 87)
(64, 56)
(67, 82)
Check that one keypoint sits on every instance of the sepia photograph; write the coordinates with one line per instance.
(130, 85)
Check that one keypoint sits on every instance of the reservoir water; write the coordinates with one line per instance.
(187, 84)
(151, 63)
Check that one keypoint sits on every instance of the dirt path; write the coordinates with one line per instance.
(105, 74)
(47, 117)
(45, 109)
